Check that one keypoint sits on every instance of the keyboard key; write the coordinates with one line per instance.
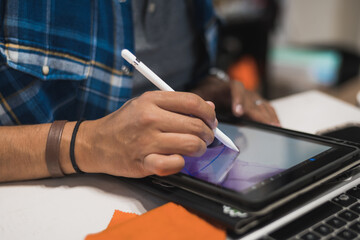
(355, 192)
(344, 200)
(347, 234)
(333, 238)
(323, 230)
(336, 222)
(355, 226)
(310, 236)
(356, 208)
(310, 219)
(348, 215)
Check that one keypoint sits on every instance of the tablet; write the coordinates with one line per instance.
(273, 165)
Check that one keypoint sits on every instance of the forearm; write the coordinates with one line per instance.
(22, 151)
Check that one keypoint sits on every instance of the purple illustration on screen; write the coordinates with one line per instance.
(213, 166)
(220, 165)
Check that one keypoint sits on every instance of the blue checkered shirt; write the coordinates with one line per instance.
(60, 59)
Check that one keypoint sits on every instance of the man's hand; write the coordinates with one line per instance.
(249, 103)
(232, 96)
(147, 135)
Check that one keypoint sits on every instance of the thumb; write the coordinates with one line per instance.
(163, 165)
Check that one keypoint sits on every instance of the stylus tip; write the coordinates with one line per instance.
(232, 146)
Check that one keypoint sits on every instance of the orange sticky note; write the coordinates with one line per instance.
(170, 221)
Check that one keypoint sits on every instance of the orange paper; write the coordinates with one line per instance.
(169, 221)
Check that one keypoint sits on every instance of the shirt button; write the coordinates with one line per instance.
(125, 69)
(45, 70)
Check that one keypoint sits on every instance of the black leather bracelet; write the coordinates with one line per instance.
(72, 147)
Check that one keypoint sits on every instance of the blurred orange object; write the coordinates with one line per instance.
(170, 221)
(245, 71)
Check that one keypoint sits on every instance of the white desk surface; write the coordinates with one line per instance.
(72, 207)
(314, 111)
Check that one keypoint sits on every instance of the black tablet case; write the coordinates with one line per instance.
(237, 222)
(214, 212)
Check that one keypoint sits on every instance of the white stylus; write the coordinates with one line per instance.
(157, 81)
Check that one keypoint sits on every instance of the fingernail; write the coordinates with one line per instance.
(239, 110)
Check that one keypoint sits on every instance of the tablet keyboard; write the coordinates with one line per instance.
(338, 218)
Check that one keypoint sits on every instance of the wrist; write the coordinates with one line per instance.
(82, 148)
(219, 74)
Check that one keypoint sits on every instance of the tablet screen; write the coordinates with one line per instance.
(264, 156)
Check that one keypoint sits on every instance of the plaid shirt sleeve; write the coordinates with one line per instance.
(61, 59)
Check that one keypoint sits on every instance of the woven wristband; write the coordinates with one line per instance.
(72, 147)
(52, 151)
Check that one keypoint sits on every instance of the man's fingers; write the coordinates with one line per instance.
(184, 103)
(252, 105)
(163, 164)
(237, 95)
(176, 143)
(259, 113)
(273, 119)
(178, 123)
(211, 104)
(262, 111)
